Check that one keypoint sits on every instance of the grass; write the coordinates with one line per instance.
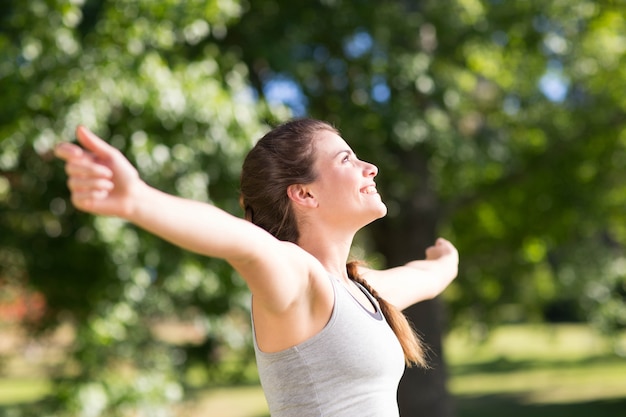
(22, 390)
(515, 406)
(245, 401)
(564, 370)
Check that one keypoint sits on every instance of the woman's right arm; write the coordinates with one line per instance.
(102, 181)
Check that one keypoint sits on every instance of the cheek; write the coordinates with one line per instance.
(338, 185)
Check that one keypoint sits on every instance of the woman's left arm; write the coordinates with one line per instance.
(416, 281)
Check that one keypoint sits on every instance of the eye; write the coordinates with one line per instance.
(346, 158)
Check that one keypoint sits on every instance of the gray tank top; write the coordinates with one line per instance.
(352, 367)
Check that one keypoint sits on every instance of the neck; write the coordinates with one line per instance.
(331, 249)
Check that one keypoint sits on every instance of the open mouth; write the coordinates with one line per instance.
(370, 189)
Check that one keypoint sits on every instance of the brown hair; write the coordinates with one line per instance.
(414, 352)
(286, 156)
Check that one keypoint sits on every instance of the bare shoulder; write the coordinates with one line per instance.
(281, 275)
(293, 303)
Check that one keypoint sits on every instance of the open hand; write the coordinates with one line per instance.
(442, 248)
(100, 178)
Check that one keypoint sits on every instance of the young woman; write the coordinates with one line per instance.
(329, 336)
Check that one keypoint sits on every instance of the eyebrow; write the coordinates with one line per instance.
(348, 151)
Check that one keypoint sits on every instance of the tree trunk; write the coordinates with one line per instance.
(400, 239)
(423, 393)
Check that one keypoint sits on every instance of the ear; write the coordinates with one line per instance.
(302, 195)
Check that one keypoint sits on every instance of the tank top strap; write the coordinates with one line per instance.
(377, 314)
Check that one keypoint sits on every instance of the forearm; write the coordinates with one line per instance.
(439, 272)
(192, 225)
(406, 285)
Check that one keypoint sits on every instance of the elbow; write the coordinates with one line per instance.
(433, 293)
(441, 283)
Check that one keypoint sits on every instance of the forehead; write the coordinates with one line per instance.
(328, 143)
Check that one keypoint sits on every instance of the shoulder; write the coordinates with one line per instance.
(283, 275)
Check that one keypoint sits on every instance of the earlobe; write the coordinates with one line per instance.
(301, 195)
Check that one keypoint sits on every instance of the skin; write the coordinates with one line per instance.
(292, 295)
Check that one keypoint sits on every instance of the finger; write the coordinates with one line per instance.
(89, 195)
(87, 168)
(88, 200)
(93, 143)
(68, 151)
(443, 242)
(77, 185)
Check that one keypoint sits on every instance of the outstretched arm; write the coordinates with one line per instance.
(102, 181)
(419, 280)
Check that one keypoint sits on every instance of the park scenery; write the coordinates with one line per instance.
(499, 125)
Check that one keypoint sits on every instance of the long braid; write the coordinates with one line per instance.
(414, 352)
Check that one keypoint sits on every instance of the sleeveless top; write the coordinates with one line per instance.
(352, 367)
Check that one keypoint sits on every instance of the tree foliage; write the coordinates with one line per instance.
(490, 124)
(498, 124)
(181, 109)
(502, 122)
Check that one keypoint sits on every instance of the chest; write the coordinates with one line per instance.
(358, 342)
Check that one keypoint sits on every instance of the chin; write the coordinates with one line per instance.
(382, 211)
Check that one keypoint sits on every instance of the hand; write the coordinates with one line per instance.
(101, 179)
(442, 248)
(447, 257)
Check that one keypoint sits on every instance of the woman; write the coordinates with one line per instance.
(329, 337)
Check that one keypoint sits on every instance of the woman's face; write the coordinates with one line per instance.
(345, 187)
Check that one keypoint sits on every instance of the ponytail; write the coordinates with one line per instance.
(414, 352)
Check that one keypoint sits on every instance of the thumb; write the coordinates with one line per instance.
(94, 144)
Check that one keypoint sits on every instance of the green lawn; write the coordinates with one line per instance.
(22, 390)
(524, 370)
(538, 371)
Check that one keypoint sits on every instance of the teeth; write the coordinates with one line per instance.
(370, 190)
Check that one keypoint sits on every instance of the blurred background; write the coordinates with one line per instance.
(500, 125)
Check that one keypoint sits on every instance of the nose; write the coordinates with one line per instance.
(370, 170)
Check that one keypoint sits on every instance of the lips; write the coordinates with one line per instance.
(370, 189)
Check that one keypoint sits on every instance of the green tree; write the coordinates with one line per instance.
(498, 124)
(149, 77)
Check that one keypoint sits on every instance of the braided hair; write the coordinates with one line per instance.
(412, 346)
